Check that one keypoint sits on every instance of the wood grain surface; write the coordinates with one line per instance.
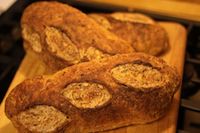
(32, 66)
(181, 9)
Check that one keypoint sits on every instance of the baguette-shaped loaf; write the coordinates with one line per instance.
(94, 96)
(62, 35)
(141, 31)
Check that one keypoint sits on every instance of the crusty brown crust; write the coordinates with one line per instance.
(127, 105)
(52, 23)
(142, 32)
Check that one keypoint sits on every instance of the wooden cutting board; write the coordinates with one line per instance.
(182, 9)
(32, 66)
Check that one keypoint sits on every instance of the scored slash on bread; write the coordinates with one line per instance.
(141, 31)
(62, 35)
(94, 96)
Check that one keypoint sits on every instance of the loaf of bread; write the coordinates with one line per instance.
(62, 35)
(141, 31)
(94, 96)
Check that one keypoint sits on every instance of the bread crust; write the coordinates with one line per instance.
(141, 31)
(126, 106)
(63, 34)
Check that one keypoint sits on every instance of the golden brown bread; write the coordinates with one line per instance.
(142, 32)
(94, 96)
(62, 35)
